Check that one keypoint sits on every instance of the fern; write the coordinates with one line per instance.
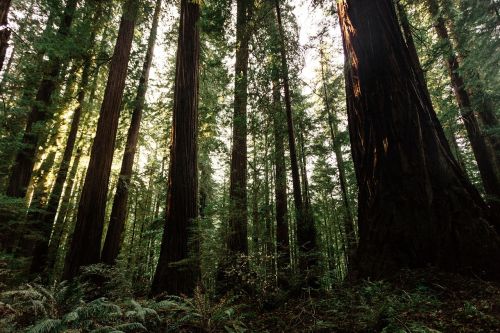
(48, 326)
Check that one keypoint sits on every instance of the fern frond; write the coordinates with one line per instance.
(48, 326)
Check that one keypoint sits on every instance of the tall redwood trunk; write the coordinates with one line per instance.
(237, 232)
(178, 267)
(485, 159)
(86, 241)
(306, 235)
(4, 33)
(282, 239)
(119, 210)
(25, 158)
(416, 207)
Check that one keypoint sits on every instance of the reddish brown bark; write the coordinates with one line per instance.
(86, 241)
(117, 219)
(5, 32)
(238, 211)
(178, 268)
(416, 207)
(25, 158)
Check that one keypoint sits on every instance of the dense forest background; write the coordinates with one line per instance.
(249, 166)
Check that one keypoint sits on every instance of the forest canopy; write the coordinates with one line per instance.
(249, 165)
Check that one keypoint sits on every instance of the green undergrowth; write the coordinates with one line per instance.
(415, 301)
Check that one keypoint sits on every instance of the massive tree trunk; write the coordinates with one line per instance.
(282, 239)
(4, 33)
(86, 241)
(178, 267)
(485, 159)
(237, 232)
(416, 207)
(119, 210)
(25, 158)
(306, 235)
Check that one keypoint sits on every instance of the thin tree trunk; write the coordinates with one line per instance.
(237, 242)
(59, 224)
(486, 162)
(415, 207)
(337, 148)
(119, 210)
(178, 267)
(86, 241)
(282, 240)
(305, 229)
(5, 32)
(25, 159)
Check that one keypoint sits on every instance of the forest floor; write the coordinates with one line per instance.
(414, 301)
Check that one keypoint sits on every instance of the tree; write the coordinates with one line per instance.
(415, 205)
(86, 241)
(25, 158)
(119, 211)
(483, 153)
(339, 159)
(5, 32)
(306, 234)
(178, 267)
(237, 242)
(46, 222)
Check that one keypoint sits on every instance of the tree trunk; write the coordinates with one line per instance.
(416, 207)
(486, 162)
(237, 242)
(5, 32)
(86, 241)
(282, 240)
(305, 231)
(25, 158)
(40, 253)
(339, 159)
(59, 224)
(178, 267)
(119, 211)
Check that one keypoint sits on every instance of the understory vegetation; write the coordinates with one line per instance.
(103, 300)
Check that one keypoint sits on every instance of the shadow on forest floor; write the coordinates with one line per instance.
(414, 301)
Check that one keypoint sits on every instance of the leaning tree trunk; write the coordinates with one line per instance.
(306, 235)
(178, 267)
(484, 155)
(416, 207)
(25, 158)
(59, 223)
(38, 263)
(119, 210)
(86, 241)
(5, 32)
